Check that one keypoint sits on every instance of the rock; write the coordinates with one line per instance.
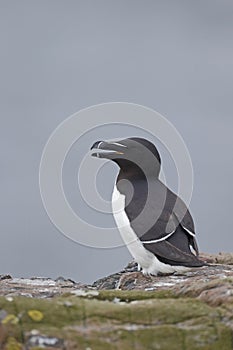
(37, 287)
(220, 258)
(118, 319)
(111, 282)
(188, 283)
(125, 310)
(45, 342)
(5, 277)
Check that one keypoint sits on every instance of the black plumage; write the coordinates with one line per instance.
(158, 217)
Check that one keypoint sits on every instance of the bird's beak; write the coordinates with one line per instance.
(107, 149)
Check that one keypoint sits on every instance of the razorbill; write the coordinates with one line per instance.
(154, 223)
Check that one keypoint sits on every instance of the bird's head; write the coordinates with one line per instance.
(131, 154)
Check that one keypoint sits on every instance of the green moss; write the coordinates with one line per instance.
(212, 337)
(159, 337)
(123, 320)
(125, 295)
(12, 344)
(153, 311)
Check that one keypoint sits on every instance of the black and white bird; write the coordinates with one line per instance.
(154, 223)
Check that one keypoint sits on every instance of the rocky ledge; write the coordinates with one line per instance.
(126, 310)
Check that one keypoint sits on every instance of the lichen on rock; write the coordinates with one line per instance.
(126, 310)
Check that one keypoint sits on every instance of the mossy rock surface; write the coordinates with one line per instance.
(124, 311)
(114, 320)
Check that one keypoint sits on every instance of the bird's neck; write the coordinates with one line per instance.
(131, 174)
(133, 184)
(131, 171)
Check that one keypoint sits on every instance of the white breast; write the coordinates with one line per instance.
(148, 261)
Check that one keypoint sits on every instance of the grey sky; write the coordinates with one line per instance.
(60, 56)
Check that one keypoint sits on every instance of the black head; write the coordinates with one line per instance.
(133, 154)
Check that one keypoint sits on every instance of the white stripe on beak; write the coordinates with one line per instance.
(117, 144)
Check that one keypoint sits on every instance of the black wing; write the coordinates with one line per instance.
(165, 217)
(162, 212)
(169, 254)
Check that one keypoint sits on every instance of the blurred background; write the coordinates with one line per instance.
(58, 57)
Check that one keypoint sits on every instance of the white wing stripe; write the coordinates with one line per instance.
(159, 239)
(117, 144)
(190, 232)
(163, 238)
